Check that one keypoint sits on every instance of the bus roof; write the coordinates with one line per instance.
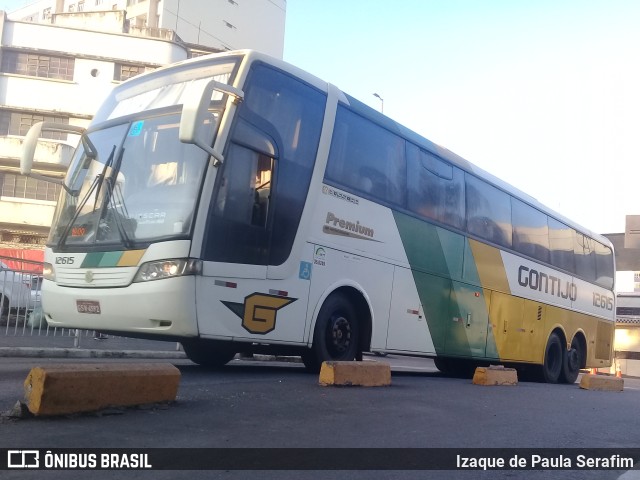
(366, 111)
(446, 154)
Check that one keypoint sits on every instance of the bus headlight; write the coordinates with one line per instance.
(48, 273)
(160, 269)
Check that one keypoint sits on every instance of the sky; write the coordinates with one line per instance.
(544, 94)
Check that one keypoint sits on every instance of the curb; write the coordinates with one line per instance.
(256, 357)
(68, 389)
(34, 352)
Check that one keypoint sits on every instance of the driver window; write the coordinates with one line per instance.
(242, 207)
(245, 187)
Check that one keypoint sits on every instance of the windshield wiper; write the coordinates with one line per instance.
(76, 214)
(113, 201)
(96, 184)
(102, 174)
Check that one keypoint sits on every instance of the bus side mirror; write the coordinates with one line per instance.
(195, 111)
(31, 142)
(29, 148)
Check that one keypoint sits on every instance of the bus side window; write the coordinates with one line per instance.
(241, 208)
(290, 113)
(488, 211)
(530, 231)
(367, 158)
(604, 265)
(561, 242)
(435, 188)
(585, 257)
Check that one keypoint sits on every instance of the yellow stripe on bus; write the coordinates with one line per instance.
(130, 258)
(490, 267)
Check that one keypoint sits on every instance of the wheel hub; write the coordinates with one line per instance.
(340, 334)
(572, 359)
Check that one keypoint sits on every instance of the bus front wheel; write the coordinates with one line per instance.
(209, 353)
(336, 333)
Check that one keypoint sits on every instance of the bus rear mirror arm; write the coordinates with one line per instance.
(195, 111)
(31, 142)
(217, 157)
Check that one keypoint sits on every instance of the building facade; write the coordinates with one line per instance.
(57, 73)
(58, 61)
(219, 24)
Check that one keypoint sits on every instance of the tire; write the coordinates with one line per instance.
(572, 362)
(209, 353)
(442, 364)
(455, 367)
(336, 334)
(553, 359)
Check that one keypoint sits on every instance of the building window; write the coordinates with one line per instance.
(81, 6)
(34, 65)
(72, 8)
(18, 186)
(98, 2)
(46, 13)
(124, 71)
(19, 123)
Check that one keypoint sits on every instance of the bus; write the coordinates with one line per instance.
(238, 204)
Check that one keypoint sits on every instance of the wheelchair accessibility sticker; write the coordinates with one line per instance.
(305, 271)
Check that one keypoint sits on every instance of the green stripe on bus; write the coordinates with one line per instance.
(127, 258)
(110, 259)
(92, 260)
(449, 288)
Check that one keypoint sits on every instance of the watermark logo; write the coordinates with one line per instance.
(23, 459)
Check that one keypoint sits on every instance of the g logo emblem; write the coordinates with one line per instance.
(259, 311)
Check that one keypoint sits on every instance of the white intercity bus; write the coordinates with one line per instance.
(235, 203)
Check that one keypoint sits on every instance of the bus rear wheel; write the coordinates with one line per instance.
(572, 361)
(336, 333)
(209, 353)
(553, 359)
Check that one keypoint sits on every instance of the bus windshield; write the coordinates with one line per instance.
(129, 184)
(131, 181)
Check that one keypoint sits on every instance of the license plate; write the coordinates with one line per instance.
(88, 306)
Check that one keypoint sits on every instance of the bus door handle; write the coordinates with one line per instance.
(468, 320)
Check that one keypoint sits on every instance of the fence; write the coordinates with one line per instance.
(20, 284)
(22, 320)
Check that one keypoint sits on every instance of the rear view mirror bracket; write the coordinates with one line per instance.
(195, 110)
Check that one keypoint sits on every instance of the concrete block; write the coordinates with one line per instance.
(75, 388)
(495, 375)
(602, 382)
(364, 374)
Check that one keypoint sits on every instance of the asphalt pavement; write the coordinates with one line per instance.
(15, 342)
